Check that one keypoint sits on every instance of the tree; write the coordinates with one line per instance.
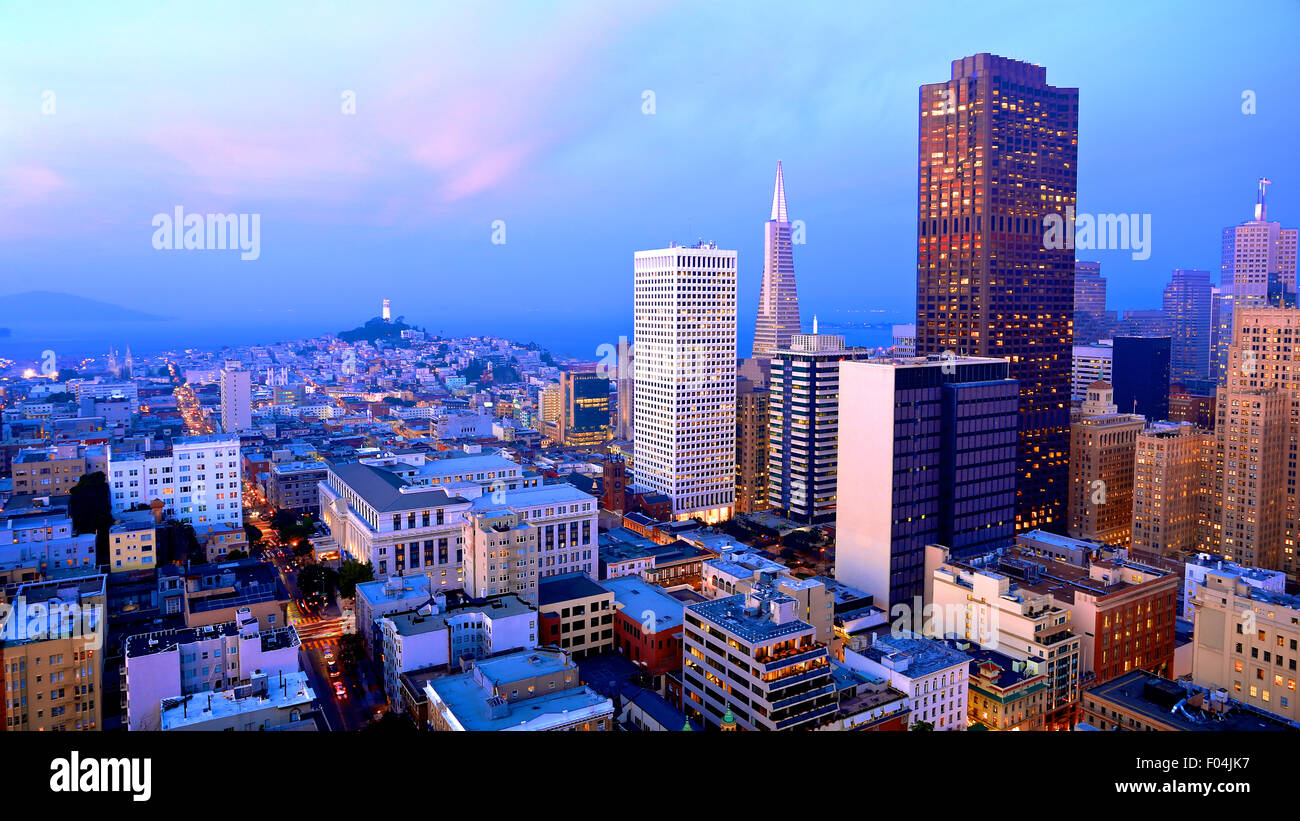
(921, 727)
(352, 573)
(253, 535)
(393, 724)
(236, 554)
(317, 579)
(91, 507)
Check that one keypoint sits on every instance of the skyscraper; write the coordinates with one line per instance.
(751, 446)
(584, 409)
(778, 300)
(1089, 303)
(626, 391)
(998, 150)
(927, 455)
(1256, 443)
(1187, 303)
(685, 395)
(236, 400)
(1102, 444)
(1258, 253)
(1140, 375)
(1167, 489)
(805, 424)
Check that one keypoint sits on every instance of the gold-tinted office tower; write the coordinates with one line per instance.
(997, 156)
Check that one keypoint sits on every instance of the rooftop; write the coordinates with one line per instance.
(923, 656)
(567, 587)
(283, 692)
(731, 614)
(1156, 699)
(387, 492)
(642, 600)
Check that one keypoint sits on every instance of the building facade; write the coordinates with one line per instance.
(997, 168)
(685, 438)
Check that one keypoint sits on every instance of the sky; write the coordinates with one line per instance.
(533, 116)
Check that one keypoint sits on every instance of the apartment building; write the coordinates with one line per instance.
(933, 675)
(530, 690)
(577, 614)
(173, 663)
(1247, 642)
(199, 480)
(448, 630)
(1102, 446)
(51, 656)
(749, 656)
(975, 601)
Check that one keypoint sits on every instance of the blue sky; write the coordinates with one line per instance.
(531, 113)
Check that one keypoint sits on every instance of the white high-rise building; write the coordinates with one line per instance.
(198, 479)
(236, 400)
(685, 372)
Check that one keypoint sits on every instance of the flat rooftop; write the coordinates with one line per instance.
(1151, 697)
(643, 600)
(567, 587)
(730, 614)
(282, 692)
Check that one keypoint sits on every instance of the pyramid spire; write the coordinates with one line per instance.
(778, 196)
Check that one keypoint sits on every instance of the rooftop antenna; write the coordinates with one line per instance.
(1261, 209)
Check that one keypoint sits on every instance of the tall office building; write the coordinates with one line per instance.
(751, 446)
(778, 299)
(1222, 302)
(1140, 375)
(685, 426)
(998, 151)
(1167, 489)
(1102, 444)
(927, 455)
(584, 409)
(626, 391)
(550, 405)
(1257, 254)
(804, 428)
(1258, 415)
(1187, 304)
(236, 400)
(1091, 363)
(1089, 303)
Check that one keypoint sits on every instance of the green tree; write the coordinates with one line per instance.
(352, 573)
(236, 554)
(921, 727)
(91, 507)
(253, 535)
(317, 579)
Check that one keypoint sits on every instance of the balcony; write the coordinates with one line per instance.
(788, 657)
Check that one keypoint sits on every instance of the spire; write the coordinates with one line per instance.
(778, 196)
(814, 325)
(1261, 210)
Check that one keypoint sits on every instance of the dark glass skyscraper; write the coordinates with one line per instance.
(998, 149)
(1187, 304)
(1140, 375)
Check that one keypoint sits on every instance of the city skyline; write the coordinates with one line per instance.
(425, 211)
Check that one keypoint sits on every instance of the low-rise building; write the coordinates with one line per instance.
(749, 656)
(933, 675)
(577, 614)
(531, 690)
(446, 634)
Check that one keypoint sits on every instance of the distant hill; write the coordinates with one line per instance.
(376, 328)
(31, 307)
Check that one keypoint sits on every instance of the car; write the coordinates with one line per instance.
(333, 669)
(339, 690)
(329, 655)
